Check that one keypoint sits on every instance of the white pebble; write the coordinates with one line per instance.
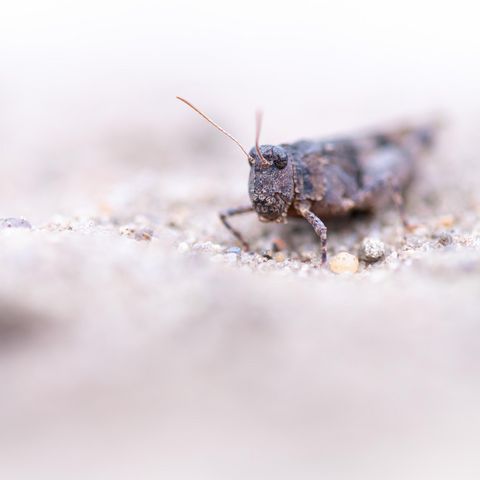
(344, 262)
(372, 250)
(183, 247)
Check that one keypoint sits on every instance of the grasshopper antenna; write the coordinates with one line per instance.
(218, 127)
(258, 128)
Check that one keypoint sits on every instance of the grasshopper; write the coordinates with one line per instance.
(322, 179)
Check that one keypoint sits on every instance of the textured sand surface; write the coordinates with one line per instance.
(137, 341)
(135, 328)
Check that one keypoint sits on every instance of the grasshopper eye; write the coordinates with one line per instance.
(280, 160)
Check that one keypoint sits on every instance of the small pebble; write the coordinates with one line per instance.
(344, 262)
(279, 257)
(235, 250)
(445, 239)
(183, 247)
(127, 230)
(372, 250)
(14, 223)
(132, 231)
(144, 234)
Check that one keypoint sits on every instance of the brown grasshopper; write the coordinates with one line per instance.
(328, 178)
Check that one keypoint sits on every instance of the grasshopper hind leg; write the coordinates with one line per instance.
(399, 202)
(383, 186)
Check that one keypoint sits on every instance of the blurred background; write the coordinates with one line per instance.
(126, 358)
(86, 83)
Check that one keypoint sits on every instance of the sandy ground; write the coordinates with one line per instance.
(137, 341)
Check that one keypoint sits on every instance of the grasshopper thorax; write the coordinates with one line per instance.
(271, 184)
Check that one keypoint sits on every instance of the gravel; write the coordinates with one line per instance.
(372, 250)
(344, 262)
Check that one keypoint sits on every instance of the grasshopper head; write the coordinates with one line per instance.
(271, 185)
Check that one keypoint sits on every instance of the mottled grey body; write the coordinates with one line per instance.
(336, 175)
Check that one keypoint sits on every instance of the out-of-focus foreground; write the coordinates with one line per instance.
(136, 340)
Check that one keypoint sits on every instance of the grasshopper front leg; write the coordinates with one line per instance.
(318, 226)
(230, 212)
